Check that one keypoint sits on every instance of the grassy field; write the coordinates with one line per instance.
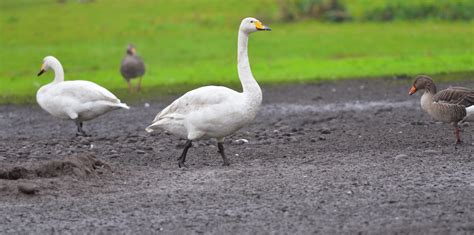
(191, 43)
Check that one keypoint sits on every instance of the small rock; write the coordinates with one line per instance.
(229, 213)
(29, 189)
(114, 156)
(146, 105)
(322, 138)
(325, 131)
(139, 151)
(401, 156)
(240, 141)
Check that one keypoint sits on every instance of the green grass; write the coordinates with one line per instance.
(189, 43)
(360, 9)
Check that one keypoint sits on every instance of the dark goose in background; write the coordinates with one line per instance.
(132, 66)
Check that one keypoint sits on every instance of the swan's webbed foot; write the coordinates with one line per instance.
(226, 162)
(182, 158)
(80, 131)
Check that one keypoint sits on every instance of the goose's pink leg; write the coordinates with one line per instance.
(458, 136)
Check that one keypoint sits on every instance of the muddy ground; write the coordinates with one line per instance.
(353, 156)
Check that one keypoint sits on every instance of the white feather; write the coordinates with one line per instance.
(469, 114)
(214, 111)
(81, 100)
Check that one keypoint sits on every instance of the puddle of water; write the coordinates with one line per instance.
(288, 108)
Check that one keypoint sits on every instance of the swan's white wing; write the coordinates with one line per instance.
(195, 100)
(83, 91)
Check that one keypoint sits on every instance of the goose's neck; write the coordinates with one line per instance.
(431, 88)
(249, 85)
(427, 101)
(58, 72)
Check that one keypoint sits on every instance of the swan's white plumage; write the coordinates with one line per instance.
(215, 111)
(77, 100)
(469, 114)
(206, 112)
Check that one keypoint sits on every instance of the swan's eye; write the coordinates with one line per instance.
(251, 21)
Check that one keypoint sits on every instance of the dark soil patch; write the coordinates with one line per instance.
(80, 166)
(333, 157)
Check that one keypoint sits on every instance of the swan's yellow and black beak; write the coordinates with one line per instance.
(260, 26)
(42, 70)
(412, 90)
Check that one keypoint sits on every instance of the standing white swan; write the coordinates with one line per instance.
(215, 111)
(75, 100)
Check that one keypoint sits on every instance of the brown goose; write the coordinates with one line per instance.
(132, 67)
(452, 105)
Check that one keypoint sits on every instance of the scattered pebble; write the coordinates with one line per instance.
(146, 105)
(240, 141)
(401, 156)
(139, 151)
(29, 189)
(325, 131)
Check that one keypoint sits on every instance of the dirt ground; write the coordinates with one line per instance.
(335, 157)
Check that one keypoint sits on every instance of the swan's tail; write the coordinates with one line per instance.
(122, 106)
(469, 114)
(150, 128)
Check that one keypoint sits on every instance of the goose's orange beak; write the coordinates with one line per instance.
(412, 90)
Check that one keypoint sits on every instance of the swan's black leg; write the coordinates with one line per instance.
(80, 131)
(220, 146)
(182, 158)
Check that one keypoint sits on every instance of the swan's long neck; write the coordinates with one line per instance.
(58, 71)
(249, 85)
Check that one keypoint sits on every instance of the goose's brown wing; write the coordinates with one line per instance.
(455, 95)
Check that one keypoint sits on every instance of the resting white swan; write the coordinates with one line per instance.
(75, 100)
(215, 111)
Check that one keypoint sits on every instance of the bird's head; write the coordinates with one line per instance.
(420, 83)
(48, 63)
(250, 25)
(131, 50)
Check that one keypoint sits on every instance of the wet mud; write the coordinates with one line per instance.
(332, 157)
